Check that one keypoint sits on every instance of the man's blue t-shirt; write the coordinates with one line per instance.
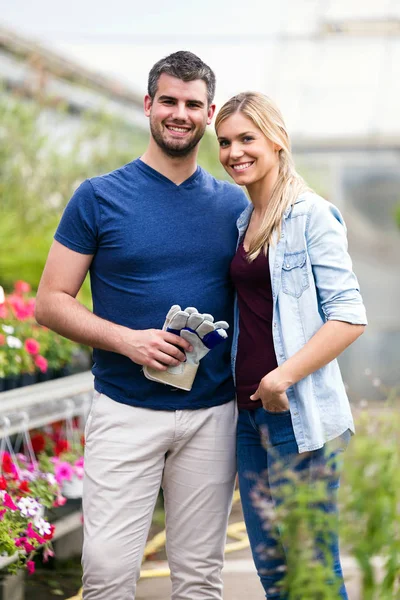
(156, 244)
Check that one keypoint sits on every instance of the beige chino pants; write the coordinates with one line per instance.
(129, 453)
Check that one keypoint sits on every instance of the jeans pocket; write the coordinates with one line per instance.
(294, 273)
(279, 413)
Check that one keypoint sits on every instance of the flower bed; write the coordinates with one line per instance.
(29, 353)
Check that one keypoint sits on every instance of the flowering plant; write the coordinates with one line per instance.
(25, 347)
(24, 494)
(59, 455)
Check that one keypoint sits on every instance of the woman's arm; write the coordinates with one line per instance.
(340, 299)
(322, 348)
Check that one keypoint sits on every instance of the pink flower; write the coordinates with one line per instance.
(63, 470)
(23, 541)
(31, 533)
(41, 362)
(8, 502)
(30, 306)
(79, 462)
(32, 346)
(21, 287)
(30, 566)
(2, 513)
(3, 311)
(59, 501)
(20, 541)
(79, 472)
(2, 337)
(47, 553)
(18, 306)
(28, 547)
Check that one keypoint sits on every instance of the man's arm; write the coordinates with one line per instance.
(58, 309)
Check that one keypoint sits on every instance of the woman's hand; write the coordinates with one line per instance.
(272, 392)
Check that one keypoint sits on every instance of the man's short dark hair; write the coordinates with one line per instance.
(185, 66)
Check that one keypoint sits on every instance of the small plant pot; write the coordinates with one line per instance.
(63, 372)
(27, 379)
(72, 489)
(11, 382)
(45, 376)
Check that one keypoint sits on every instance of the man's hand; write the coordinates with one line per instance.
(155, 348)
(200, 332)
(272, 392)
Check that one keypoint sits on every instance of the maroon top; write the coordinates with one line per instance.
(255, 354)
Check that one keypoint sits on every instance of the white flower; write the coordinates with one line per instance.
(368, 372)
(42, 526)
(7, 329)
(2, 296)
(28, 507)
(376, 382)
(13, 342)
(51, 479)
(25, 474)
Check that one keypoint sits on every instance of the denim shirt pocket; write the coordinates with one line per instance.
(295, 278)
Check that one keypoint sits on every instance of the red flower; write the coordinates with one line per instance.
(21, 287)
(38, 442)
(49, 536)
(57, 427)
(41, 362)
(61, 446)
(2, 337)
(8, 465)
(3, 483)
(32, 346)
(24, 487)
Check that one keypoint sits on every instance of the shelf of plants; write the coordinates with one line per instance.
(41, 433)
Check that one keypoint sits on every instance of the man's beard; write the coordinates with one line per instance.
(176, 149)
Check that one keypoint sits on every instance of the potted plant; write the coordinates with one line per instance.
(24, 494)
(62, 454)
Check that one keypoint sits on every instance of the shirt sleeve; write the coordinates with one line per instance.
(337, 286)
(78, 229)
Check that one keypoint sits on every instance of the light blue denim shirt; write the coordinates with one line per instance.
(312, 282)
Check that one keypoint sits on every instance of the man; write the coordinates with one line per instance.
(157, 232)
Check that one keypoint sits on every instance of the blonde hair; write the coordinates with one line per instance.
(289, 185)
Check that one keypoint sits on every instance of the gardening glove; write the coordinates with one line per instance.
(203, 335)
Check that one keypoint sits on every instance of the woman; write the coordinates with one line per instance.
(299, 308)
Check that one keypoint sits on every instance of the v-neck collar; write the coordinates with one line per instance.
(162, 178)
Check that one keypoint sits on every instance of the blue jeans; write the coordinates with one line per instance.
(266, 445)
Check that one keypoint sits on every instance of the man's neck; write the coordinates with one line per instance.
(176, 169)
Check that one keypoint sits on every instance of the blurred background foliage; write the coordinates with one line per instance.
(42, 162)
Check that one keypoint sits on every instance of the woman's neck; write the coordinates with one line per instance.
(260, 191)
